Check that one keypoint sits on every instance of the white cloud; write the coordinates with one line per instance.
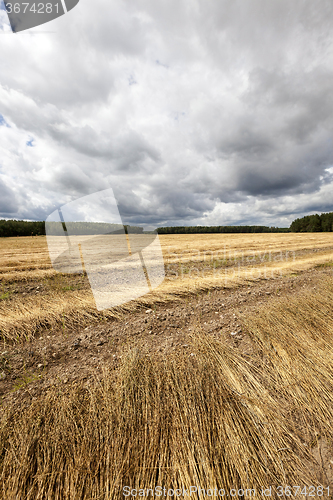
(190, 111)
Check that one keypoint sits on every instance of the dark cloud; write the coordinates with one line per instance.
(8, 203)
(193, 112)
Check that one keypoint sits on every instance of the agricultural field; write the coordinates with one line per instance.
(221, 377)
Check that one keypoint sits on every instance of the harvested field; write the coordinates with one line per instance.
(220, 378)
(34, 296)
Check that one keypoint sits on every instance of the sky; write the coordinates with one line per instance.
(195, 112)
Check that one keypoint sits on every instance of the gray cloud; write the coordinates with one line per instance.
(8, 204)
(194, 112)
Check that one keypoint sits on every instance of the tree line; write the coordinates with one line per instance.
(313, 223)
(220, 229)
(309, 223)
(89, 228)
(10, 228)
(21, 228)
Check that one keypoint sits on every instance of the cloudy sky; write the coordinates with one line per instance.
(194, 111)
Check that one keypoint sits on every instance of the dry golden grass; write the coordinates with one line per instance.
(217, 418)
(297, 335)
(193, 263)
(174, 422)
(222, 246)
(21, 255)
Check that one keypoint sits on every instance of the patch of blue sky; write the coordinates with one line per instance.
(3, 122)
(30, 143)
(4, 24)
(4, 20)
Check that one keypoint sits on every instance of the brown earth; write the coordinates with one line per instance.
(57, 356)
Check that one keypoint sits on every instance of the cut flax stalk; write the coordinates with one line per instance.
(173, 422)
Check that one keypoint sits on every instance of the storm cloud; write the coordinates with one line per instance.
(194, 112)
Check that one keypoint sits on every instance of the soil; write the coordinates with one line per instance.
(63, 357)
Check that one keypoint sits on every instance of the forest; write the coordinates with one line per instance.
(313, 223)
(10, 228)
(220, 229)
(21, 228)
(309, 223)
